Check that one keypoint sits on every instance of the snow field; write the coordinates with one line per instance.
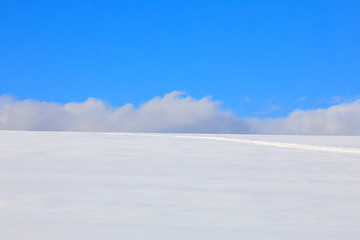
(57, 185)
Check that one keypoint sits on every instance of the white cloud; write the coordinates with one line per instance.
(172, 113)
(175, 112)
(342, 119)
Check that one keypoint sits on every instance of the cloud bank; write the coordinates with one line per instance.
(172, 113)
(175, 112)
(341, 119)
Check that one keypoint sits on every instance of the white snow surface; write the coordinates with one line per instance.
(63, 185)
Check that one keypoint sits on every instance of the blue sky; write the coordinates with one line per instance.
(259, 58)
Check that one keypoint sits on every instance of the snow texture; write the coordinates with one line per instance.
(62, 185)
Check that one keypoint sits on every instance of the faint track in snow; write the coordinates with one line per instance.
(281, 144)
(297, 146)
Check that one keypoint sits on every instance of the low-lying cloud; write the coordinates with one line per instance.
(341, 119)
(175, 112)
(172, 113)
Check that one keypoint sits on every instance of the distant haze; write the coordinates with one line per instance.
(175, 112)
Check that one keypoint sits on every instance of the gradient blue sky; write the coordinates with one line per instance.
(260, 58)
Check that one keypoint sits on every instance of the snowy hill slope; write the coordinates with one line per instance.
(57, 185)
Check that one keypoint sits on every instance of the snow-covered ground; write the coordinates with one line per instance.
(57, 185)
